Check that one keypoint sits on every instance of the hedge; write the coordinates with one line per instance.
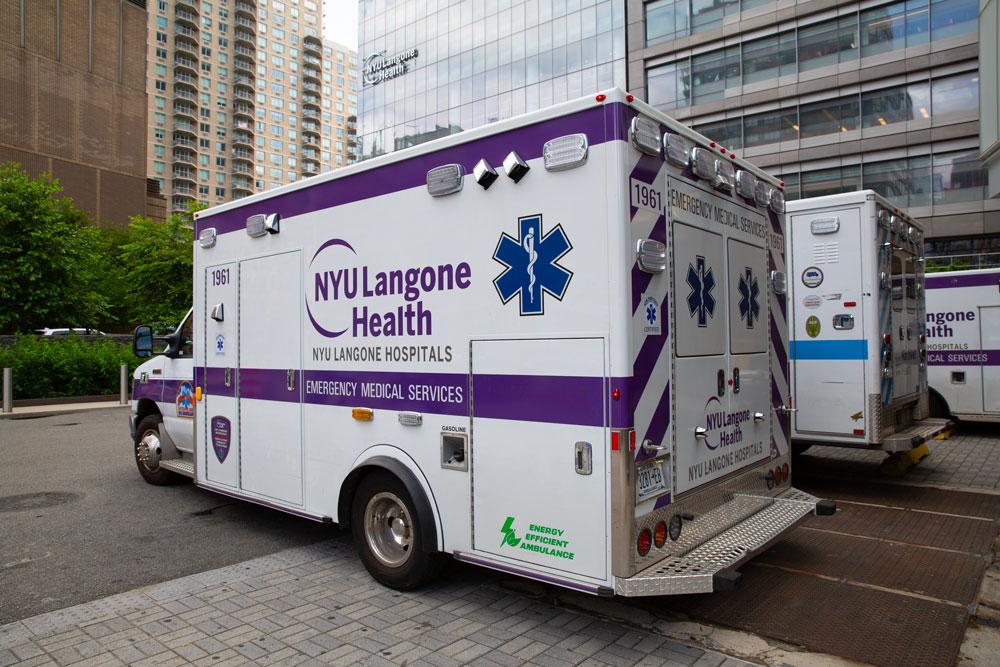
(70, 366)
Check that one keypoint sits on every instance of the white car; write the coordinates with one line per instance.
(77, 331)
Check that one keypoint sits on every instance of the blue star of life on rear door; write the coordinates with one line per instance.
(749, 291)
(531, 262)
(700, 301)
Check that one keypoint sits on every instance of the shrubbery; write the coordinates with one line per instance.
(70, 366)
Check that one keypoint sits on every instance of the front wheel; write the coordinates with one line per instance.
(388, 536)
(147, 452)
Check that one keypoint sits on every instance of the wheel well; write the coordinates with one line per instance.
(146, 407)
(425, 514)
(934, 396)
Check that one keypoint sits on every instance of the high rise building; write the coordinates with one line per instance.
(340, 103)
(989, 91)
(73, 100)
(240, 99)
(833, 95)
(434, 67)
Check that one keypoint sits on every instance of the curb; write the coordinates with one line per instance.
(55, 410)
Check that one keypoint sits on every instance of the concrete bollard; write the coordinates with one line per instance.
(8, 390)
(123, 385)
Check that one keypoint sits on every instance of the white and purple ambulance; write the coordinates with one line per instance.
(963, 343)
(553, 346)
(859, 372)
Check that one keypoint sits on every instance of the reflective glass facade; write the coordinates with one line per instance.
(434, 67)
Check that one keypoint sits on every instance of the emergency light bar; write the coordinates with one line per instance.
(746, 184)
(207, 237)
(645, 135)
(565, 152)
(445, 180)
(678, 149)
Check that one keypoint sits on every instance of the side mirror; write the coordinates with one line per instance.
(142, 341)
(173, 344)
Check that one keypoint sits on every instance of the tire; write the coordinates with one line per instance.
(146, 433)
(387, 534)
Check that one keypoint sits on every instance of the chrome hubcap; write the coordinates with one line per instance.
(148, 450)
(388, 529)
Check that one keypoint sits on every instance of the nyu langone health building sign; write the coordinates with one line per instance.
(379, 68)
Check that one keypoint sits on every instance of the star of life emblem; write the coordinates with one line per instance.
(531, 265)
(700, 279)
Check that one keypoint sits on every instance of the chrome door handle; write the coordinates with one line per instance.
(229, 377)
(701, 433)
(290, 379)
(650, 447)
(758, 416)
(787, 409)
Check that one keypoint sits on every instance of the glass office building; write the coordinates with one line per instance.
(434, 67)
(833, 97)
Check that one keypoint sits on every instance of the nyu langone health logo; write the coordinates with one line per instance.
(532, 267)
(340, 289)
(700, 301)
(378, 68)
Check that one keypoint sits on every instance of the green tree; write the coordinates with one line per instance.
(156, 263)
(49, 256)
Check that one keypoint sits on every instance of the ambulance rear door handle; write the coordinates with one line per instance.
(229, 377)
(758, 416)
(701, 433)
(291, 379)
(584, 458)
(650, 447)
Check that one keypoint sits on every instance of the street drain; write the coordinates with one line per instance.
(36, 501)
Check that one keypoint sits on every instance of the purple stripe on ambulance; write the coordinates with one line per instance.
(980, 280)
(411, 173)
(557, 400)
(151, 389)
(657, 428)
(963, 357)
(213, 381)
(778, 346)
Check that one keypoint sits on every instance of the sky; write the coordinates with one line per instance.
(340, 21)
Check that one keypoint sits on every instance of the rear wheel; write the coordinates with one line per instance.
(147, 452)
(388, 536)
(937, 406)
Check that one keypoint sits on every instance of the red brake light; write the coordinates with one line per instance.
(660, 534)
(644, 542)
(631, 441)
(784, 472)
(615, 441)
(777, 475)
(629, 98)
(601, 97)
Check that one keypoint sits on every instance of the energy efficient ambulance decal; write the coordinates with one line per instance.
(532, 267)
(542, 540)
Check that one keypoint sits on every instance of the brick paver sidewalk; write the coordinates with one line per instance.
(969, 459)
(317, 604)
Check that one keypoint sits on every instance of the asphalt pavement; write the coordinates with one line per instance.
(79, 523)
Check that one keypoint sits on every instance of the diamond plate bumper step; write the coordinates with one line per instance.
(710, 566)
(915, 435)
(179, 466)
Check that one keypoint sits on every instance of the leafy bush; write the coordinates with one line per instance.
(70, 366)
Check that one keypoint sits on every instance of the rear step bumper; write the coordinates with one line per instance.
(915, 435)
(711, 565)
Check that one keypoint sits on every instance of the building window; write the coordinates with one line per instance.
(828, 43)
(769, 58)
(828, 117)
(831, 181)
(905, 181)
(770, 127)
(728, 133)
(713, 72)
(955, 94)
(953, 17)
(958, 177)
(666, 20)
(895, 105)
(708, 14)
(668, 85)
(893, 27)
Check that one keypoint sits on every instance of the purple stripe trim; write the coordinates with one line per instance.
(257, 501)
(657, 425)
(662, 501)
(963, 358)
(411, 173)
(622, 410)
(213, 381)
(645, 170)
(541, 398)
(778, 345)
(451, 398)
(269, 384)
(978, 280)
(151, 389)
(648, 355)
(493, 565)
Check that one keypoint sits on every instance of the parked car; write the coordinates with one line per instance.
(66, 331)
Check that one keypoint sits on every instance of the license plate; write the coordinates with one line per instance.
(649, 480)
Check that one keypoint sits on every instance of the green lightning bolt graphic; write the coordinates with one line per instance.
(509, 538)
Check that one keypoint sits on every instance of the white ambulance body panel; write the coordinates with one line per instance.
(859, 376)
(963, 343)
(555, 407)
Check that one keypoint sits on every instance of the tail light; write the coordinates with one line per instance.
(887, 338)
(660, 534)
(784, 472)
(777, 475)
(644, 542)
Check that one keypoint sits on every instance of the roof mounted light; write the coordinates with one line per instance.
(677, 149)
(515, 167)
(746, 184)
(263, 223)
(207, 237)
(777, 202)
(703, 163)
(651, 256)
(645, 135)
(883, 218)
(893, 223)
(725, 176)
(445, 180)
(762, 193)
(484, 173)
(565, 152)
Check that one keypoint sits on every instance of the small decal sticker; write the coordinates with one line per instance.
(857, 416)
(221, 437)
(812, 326)
(812, 277)
(652, 317)
(812, 301)
(539, 539)
(185, 400)
(220, 344)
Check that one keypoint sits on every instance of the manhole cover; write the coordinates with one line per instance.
(36, 501)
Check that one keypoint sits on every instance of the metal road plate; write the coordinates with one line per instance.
(649, 480)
